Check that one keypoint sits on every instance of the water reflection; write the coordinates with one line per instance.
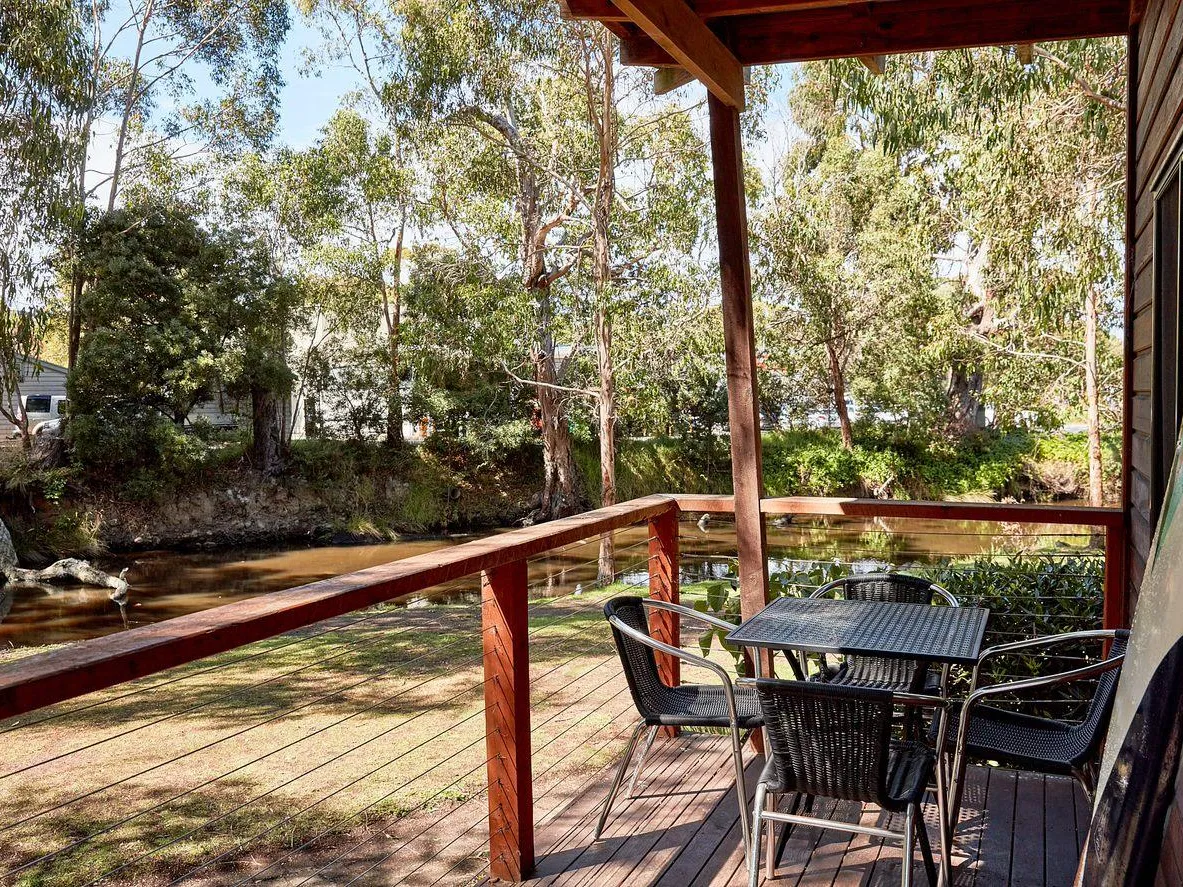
(168, 584)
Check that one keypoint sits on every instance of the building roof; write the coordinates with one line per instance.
(714, 39)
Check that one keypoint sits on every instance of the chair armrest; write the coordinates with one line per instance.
(947, 596)
(1063, 677)
(823, 590)
(641, 638)
(655, 604)
(1105, 634)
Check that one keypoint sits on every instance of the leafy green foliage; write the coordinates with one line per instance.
(41, 49)
(175, 315)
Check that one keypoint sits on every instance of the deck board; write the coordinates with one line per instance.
(1015, 830)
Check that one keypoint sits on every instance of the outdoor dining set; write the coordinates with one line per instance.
(871, 713)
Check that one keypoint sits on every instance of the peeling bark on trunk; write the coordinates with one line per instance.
(267, 431)
(838, 385)
(392, 317)
(966, 413)
(1093, 398)
(560, 491)
(559, 496)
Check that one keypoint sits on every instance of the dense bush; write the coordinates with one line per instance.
(883, 464)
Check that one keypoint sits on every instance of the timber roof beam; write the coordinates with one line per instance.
(682, 36)
(765, 32)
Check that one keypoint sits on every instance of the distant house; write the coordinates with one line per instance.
(40, 379)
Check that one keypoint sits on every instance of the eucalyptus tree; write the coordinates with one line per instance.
(166, 83)
(41, 47)
(475, 74)
(1030, 155)
(846, 248)
(355, 199)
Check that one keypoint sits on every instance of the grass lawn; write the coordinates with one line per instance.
(361, 738)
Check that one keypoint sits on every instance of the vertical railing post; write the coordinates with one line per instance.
(1115, 613)
(504, 627)
(663, 585)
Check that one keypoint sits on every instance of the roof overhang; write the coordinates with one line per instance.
(715, 39)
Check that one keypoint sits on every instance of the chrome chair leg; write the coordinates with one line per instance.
(753, 846)
(930, 867)
(770, 844)
(909, 846)
(741, 789)
(620, 771)
(632, 784)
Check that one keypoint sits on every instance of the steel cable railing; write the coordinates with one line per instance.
(551, 630)
(299, 789)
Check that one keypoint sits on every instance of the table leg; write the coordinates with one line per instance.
(943, 777)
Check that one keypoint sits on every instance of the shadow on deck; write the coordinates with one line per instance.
(682, 830)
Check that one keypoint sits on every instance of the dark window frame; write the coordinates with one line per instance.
(1166, 384)
(33, 403)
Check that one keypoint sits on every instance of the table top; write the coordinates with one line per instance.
(872, 628)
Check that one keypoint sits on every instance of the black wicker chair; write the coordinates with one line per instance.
(1044, 745)
(835, 741)
(880, 671)
(688, 705)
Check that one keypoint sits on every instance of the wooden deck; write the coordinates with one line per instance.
(682, 830)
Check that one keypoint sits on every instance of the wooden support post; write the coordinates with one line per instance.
(1115, 614)
(743, 403)
(504, 625)
(663, 585)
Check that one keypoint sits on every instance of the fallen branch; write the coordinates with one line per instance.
(68, 571)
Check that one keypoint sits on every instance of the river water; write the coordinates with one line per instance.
(167, 584)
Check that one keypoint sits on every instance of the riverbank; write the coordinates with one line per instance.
(348, 492)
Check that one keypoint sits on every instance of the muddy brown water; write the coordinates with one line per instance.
(168, 584)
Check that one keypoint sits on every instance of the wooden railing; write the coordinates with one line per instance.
(1110, 520)
(56, 676)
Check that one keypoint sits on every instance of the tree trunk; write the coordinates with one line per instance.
(601, 271)
(966, 413)
(129, 106)
(1093, 397)
(394, 396)
(838, 385)
(560, 490)
(559, 487)
(266, 430)
(606, 404)
(392, 314)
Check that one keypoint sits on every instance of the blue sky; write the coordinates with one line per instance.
(308, 99)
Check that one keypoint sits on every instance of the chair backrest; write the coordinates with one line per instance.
(1096, 718)
(638, 661)
(828, 740)
(890, 587)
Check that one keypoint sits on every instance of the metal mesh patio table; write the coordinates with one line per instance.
(950, 635)
(945, 635)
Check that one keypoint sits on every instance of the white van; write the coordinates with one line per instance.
(40, 408)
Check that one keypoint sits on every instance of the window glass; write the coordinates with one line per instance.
(1166, 387)
(37, 403)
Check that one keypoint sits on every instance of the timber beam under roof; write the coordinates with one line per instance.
(765, 32)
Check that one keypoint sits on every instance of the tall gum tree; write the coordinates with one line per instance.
(41, 49)
(1032, 158)
(140, 76)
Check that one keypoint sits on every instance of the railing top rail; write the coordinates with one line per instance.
(47, 678)
(971, 511)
